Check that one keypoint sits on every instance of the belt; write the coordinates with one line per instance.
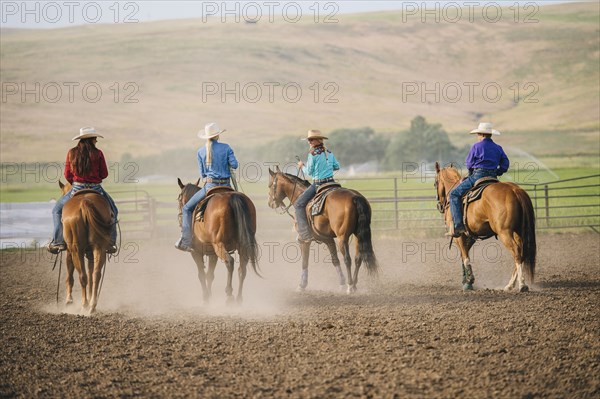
(86, 184)
(485, 170)
(211, 180)
(322, 181)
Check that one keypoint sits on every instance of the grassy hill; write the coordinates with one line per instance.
(367, 57)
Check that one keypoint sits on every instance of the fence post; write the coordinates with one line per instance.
(396, 201)
(547, 205)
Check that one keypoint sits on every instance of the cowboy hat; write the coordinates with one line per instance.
(210, 130)
(314, 134)
(485, 128)
(86, 133)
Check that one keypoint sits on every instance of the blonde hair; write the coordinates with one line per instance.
(209, 144)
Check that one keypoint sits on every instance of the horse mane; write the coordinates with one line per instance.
(189, 190)
(296, 179)
(453, 171)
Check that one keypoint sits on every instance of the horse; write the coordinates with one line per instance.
(229, 225)
(505, 211)
(346, 212)
(86, 222)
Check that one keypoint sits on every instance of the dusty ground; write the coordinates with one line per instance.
(412, 334)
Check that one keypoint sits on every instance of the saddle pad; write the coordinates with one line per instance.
(317, 203)
(201, 207)
(475, 193)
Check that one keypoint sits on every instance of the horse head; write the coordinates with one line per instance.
(64, 188)
(445, 180)
(187, 192)
(276, 192)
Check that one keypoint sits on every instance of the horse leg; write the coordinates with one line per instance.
(210, 277)
(304, 249)
(242, 275)
(96, 276)
(345, 250)
(69, 285)
(336, 262)
(228, 259)
(79, 263)
(464, 245)
(199, 260)
(515, 245)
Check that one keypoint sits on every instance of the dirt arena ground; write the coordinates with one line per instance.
(412, 333)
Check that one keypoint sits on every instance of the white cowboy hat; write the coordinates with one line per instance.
(486, 128)
(86, 133)
(314, 134)
(210, 130)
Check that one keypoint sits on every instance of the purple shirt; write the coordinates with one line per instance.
(486, 154)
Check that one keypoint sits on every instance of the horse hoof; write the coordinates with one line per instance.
(351, 289)
(300, 288)
(507, 288)
(524, 289)
(467, 287)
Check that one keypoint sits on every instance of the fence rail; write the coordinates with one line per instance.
(401, 204)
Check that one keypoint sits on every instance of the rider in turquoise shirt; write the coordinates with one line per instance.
(320, 165)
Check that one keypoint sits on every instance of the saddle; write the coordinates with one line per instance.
(475, 193)
(201, 207)
(317, 203)
(85, 191)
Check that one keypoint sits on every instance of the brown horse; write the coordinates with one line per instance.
(505, 211)
(229, 225)
(346, 212)
(86, 228)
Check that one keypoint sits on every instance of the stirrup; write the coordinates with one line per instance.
(182, 247)
(112, 249)
(56, 248)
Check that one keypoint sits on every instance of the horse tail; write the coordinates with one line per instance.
(97, 226)
(527, 232)
(245, 233)
(363, 234)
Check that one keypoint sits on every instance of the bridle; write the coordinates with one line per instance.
(442, 207)
(279, 201)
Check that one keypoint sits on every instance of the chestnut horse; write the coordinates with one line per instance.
(505, 211)
(86, 222)
(229, 225)
(346, 213)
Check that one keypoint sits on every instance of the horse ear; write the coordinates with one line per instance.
(198, 182)
(181, 185)
(277, 169)
(451, 165)
(271, 172)
(60, 184)
(437, 167)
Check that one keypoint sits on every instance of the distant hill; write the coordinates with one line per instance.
(365, 62)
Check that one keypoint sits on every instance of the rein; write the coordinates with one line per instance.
(58, 255)
(442, 207)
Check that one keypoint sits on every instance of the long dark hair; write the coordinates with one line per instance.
(81, 155)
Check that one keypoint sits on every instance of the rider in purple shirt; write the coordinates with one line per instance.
(485, 159)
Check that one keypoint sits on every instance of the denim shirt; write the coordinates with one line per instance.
(222, 159)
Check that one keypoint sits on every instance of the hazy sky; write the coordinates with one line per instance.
(57, 14)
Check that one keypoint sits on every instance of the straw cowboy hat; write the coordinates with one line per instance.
(86, 133)
(314, 134)
(485, 128)
(210, 130)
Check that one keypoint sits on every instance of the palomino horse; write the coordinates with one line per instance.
(229, 225)
(86, 228)
(346, 212)
(505, 211)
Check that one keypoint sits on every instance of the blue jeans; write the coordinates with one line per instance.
(188, 211)
(300, 207)
(457, 193)
(57, 237)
